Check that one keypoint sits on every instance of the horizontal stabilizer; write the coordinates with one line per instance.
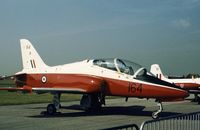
(7, 77)
(15, 89)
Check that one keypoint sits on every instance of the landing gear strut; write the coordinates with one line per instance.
(55, 105)
(155, 115)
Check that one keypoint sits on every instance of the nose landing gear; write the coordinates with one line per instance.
(155, 115)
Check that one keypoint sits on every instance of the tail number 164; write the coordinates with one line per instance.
(133, 88)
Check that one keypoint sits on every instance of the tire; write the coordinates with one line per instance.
(51, 110)
(90, 102)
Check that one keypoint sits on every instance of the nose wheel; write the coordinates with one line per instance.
(155, 115)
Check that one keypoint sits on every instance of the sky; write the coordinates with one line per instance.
(166, 32)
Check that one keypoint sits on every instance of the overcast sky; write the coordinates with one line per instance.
(166, 32)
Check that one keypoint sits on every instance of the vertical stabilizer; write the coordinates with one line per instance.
(30, 57)
(155, 69)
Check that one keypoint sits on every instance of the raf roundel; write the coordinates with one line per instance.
(44, 79)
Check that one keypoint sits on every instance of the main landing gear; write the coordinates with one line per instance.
(196, 98)
(92, 102)
(89, 102)
(155, 115)
(55, 105)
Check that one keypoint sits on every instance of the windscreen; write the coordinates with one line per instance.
(120, 65)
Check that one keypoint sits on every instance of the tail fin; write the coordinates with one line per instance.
(155, 69)
(30, 57)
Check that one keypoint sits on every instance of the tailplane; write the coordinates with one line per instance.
(155, 69)
(30, 57)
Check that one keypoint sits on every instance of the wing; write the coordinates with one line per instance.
(40, 90)
(197, 91)
(59, 90)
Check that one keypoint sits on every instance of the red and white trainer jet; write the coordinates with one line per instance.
(95, 79)
(192, 85)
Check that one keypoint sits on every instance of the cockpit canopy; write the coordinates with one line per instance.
(119, 65)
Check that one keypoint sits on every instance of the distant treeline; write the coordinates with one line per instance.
(192, 75)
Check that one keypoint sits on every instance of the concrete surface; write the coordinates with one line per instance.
(116, 112)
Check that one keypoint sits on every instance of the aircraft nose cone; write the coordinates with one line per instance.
(182, 94)
(185, 94)
(176, 95)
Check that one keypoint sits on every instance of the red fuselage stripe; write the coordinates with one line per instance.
(94, 84)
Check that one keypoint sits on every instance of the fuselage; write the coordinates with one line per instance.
(89, 77)
(186, 83)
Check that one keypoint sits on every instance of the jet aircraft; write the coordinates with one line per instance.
(94, 79)
(192, 85)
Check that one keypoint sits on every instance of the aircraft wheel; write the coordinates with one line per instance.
(155, 115)
(90, 102)
(86, 102)
(51, 109)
